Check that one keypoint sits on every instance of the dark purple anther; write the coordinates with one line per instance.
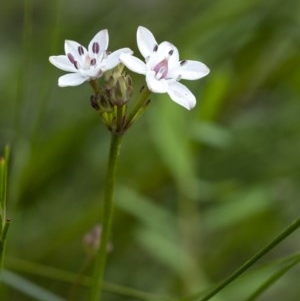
(171, 52)
(183, 62)
(71, 58)
(155, 48)
(80, 50)
(93, 62)
(73, 61)
(96, 47)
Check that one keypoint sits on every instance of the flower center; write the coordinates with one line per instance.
(161, 69)
(87, 62)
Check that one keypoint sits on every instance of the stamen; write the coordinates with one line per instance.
(93, 62)
(71, 58)
(96, 47)
(155, 48)
(171, 51)
(183, 62)
(80, 50)
(161, 69)
(73, 61)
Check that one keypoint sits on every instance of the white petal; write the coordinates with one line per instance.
(72, 48)
(91, 72)
(102, 39)
(164, 51)
(168, 49)
(192, 70)
(133, 63)
(155, 85)
(145, 41)
(174, 57)
(182, 95)
(114, 58)
(71, 79)
(62, 62)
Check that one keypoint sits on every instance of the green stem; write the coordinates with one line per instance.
(3, 243)
(139, 106)
(120, 115)
(33, 268)
(97, 282)
(285, 233)
(95, 86)
(272, 279)
(3, 185)
(3, 199)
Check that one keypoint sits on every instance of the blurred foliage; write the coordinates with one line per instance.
(198, 192)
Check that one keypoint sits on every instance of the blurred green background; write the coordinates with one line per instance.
(198, 192)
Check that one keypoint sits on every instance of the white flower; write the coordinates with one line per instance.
(86, 64)
(163, 69)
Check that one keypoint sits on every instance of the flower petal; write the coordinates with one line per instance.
(192, 70)
(133, 63)
(168, 49)
(101, 39)
(165, 51)
(72, 47)
(114, 58)
(71, 79)
(145, 41)
(182, 95)
(155, 85)
(174, 55)
(91, 73)
(62, 62)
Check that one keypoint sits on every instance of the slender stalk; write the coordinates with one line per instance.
(3, 243)
(139, 106)
(3, 199)
(120, 118)
(33, 268)
(2, 192)
(272, 279)
(97, 282)
(280, 237)
(3, 186)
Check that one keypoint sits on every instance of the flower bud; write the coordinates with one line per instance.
(118, 86)
(100, 103)
(92, 240)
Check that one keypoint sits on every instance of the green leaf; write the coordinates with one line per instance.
(27, 287)
(288, 264)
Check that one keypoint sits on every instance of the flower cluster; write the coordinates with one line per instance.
(86, 64)
(162, 67)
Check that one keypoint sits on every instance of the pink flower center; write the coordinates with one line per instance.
(161, 69)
